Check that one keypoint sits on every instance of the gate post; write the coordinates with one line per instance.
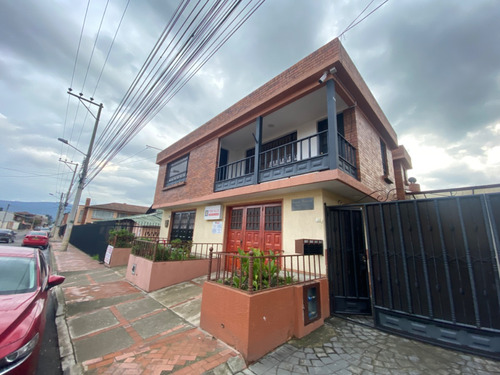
(210, 256)
(250, 271)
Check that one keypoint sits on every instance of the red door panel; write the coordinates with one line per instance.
(255, 227)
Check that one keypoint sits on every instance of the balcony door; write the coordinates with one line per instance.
(255, 227)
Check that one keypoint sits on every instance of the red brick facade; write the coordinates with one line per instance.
(364, 126)
(199, 180)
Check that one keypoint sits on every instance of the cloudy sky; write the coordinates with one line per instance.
(433, 66)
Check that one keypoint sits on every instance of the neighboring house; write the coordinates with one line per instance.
(91, 213)
(7, 220)
(259, 174)
(28, 220)
(145, 225)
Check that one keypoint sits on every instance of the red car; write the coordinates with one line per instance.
(36, 238)
(24, 288)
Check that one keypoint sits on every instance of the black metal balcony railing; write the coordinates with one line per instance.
(291, 152)
(303, 156)
(347, 157)
(236, 169)
(254, 271)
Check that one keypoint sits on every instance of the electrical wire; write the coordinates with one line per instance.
(76, 115)
(60, 182)
(95, 44)
(352, 24)
(111, 47)
(168, 68)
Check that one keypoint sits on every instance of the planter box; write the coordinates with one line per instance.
(119, 257)
(255, 324)
(149, 275)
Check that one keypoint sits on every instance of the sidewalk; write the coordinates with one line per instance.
(107, 326)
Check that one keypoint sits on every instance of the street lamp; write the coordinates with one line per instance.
(65, 141)
(83, 174)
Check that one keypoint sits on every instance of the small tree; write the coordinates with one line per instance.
(120, 238)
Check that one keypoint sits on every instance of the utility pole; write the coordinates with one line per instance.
(58, 214)
(4, 215)
(85, 165)
(60, 210)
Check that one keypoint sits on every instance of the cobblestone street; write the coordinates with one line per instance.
(344, 347)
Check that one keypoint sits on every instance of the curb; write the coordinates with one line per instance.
(66, 351)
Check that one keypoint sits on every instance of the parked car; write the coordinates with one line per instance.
(25, 282)
(7, 235)
(47, 230)
(36, 238)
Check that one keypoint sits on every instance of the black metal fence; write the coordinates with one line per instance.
(93, 238)
(161, 249)
(258, 270)
(435, 271)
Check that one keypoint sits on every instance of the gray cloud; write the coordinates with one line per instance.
(432, 66)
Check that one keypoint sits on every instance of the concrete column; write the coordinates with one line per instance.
(331, 103)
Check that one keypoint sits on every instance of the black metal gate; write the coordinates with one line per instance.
(347, 271)
(434, 270)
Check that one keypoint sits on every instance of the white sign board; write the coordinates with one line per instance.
(107, 257)
(217, 227)
(213, 212)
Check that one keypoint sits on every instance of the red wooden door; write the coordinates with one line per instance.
(255, 227)
(235, 232)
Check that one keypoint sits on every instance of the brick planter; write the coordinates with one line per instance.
(255, 324)
(119, 257)
(150, 276)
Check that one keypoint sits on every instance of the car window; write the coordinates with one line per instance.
(38, 233)
(17, 275)
(43, 270)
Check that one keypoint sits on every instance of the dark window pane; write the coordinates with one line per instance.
(383, 150)
(253, 218)
(183, 225)
(176, 171)
(236, 218)
(273, 218)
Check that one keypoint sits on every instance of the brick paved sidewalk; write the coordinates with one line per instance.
(115, 328)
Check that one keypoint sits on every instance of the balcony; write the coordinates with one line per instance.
(306, 155)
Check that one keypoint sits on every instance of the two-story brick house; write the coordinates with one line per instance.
(259, 174)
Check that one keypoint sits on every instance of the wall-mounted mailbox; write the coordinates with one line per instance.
(312, 303)
(309, 247)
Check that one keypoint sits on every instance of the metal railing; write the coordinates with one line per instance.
(302, 149)
(161, 250)
(251, 273)
(290, 153)
(236, 169)
(347, 156)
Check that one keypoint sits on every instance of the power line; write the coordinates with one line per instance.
(168, 68)
(72, 78)
(110, 47)
(95, 44)
(354, 23)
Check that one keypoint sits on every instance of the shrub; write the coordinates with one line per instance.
(266, 272)
(123, 237)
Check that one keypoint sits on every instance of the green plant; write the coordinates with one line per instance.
(265, 271)
(175, 250)
(95, 256)
(120, 238)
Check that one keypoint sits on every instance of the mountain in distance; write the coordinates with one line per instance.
(37, 208)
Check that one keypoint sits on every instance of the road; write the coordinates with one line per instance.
(49, 362)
